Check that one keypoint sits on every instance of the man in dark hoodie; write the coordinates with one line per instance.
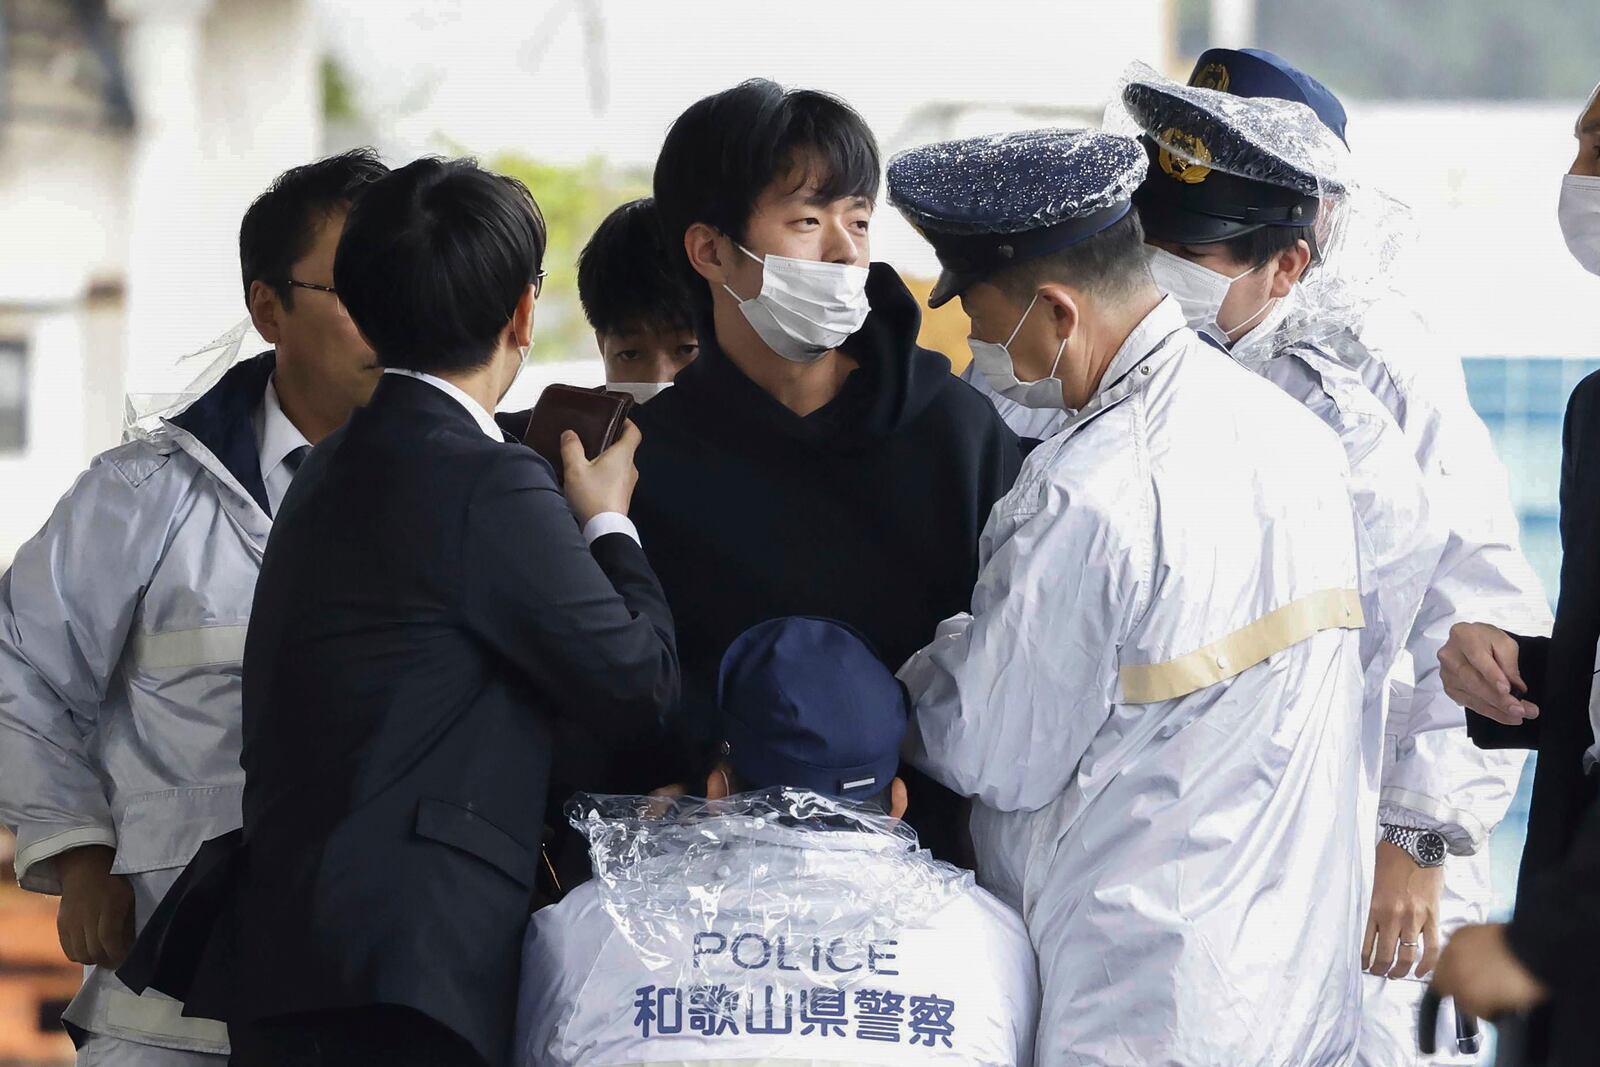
(813, 460)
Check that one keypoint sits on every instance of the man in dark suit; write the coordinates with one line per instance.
(1544, 694)
(429, 615)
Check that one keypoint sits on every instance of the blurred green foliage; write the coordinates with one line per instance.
(1427, 49)
(574, 200)
(338, 95)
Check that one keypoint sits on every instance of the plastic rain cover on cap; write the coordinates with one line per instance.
(1361, 232)
(1013, 182)
(143, 413)
(703, 888)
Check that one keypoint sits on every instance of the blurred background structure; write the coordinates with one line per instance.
(134, 133)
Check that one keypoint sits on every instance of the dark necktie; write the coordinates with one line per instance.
(293, 460)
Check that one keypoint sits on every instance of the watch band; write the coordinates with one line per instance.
(1425, 847)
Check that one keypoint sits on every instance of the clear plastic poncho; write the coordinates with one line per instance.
(143, 412)
(1361, 232)
(703, 889)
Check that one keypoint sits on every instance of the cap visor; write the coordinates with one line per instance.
(948, 285)
(1166, 222)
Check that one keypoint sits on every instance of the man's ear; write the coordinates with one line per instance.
(1065, 314)
(703, 245)
(522, 319)
(265, 309)
(1291, 267)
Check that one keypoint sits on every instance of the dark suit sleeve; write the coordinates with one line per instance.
(1556, 931)
(1532, 653)
(589, 627)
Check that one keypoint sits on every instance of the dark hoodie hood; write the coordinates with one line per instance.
(223, 420)
(895, 383)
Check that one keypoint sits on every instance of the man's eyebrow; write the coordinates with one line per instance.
(822, 200)
(1589, 127)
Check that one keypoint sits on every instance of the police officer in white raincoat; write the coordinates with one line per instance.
(122, 623)
(1290, 297)
(797, 923)
(1157, 698)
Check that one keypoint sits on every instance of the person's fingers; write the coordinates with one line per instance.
(1505, 652)
(1530, 710)
(93, 951)
(572, 455)
(116, 934)
(1370, 942)
(1487, 694)
(1483, 661)
(70, 931)
(1430, 948)
(1408, 946)
(1383, 954)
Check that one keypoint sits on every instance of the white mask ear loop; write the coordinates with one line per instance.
(1018, 327)
(728, 288)
(1013, 337)
(1244, 327)
(727, 786)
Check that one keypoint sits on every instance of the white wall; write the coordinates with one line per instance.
(62, 229)
(243, 108)
(227, 95)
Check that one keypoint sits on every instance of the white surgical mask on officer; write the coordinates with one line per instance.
(1200, 291)
(1579, 212)
(994, 363)
(805, 306)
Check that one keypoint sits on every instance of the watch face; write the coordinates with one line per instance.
(1430, 848)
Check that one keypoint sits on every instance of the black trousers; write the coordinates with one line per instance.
(381, 1035)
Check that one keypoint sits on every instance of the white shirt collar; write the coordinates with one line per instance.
(276, 436)
(484, 418)
(1164, 318)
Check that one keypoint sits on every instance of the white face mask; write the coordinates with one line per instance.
(1579, 213)
(640, 391)
(805, 306)
(994, 363)
(1200, 291)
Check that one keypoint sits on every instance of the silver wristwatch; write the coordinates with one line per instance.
(1426, 847)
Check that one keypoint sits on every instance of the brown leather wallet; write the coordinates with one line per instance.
(596, 415)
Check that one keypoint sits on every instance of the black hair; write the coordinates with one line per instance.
(626, 280)
(1114, 262)
(727, 149)
(1259, 246)
(433, 261)
(282, 223)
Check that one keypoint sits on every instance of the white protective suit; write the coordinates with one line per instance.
(747, 931)
(1482, 576)
(122, 627)
(1157, 702)
(1340, 317)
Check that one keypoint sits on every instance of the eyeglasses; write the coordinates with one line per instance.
(538, 285)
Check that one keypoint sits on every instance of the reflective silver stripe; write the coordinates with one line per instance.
(189, 648)
(161, 1017)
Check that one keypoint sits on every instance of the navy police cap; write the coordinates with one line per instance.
(806, 703)
(1222, 167)
(986, 203)
(1255, 72)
